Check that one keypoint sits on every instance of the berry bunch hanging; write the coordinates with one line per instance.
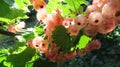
(62, 33)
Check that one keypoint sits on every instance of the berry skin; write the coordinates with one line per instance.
(91, 8)
(38, 4)
(29, 43)
(80, 21)
(95, 18)
(11, 28)
(90, 30)
(108, 10)
(67, 22)
(99, 3)
(107, 26)
(81, 52)
(52, 20)
(43, 47)
(70, 55)
(41, 15)
(95, 44)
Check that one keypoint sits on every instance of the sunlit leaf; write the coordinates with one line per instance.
(4, 8)
(38, 30)
(83, 41)
(19, 60)
(2, 57)
(10, 2)
(9, 12)
(28, 36)
(70, 8)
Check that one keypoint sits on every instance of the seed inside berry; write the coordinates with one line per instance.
(117, 13)
(96, 21)
(41, 6)
(43, 44)
(79, 23)
(36, 45)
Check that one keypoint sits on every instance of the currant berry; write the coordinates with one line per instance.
(95, 18)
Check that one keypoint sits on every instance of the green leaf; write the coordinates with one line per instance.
(31, 62)
(10, 2)
(12, 15)
(6, 20)
(83, 41)
(2, 57)
(19, 60)
(70, 8)
(52, 4)
(18, 48)
(22, 3)
(38, 30)
(4, 8)
(28, 35)
(61, 37)
(16, 13)
(9, 12)
(75, 5)
(77, 38)
(7, 64)
(3, 51)
(21, 38)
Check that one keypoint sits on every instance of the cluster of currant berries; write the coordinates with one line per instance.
(101, 17)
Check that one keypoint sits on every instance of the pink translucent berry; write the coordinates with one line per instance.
(41, 15)
(67, 22)
(81, 52)
(39, 43)
(11, 28)
(99, 3)
(50, 26)
(80, 21)
(77, 25)
(56, 17)
(38, 4)
(70, 55)
(95, 44)
(52, 53)
(115, 3)
(107, 26)
(60, 57)
(109, 11)
(90, 30)
(95, 18)
(29, 43)
(91, 8)
(73, 31)
(43, 47)
(52, 21)
(36, 41)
